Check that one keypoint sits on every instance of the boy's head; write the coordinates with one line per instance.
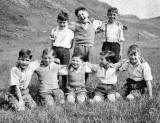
(82, 14)
(134, 54)
(47, 56)
(106, 58)
(77, 60)
(112, 14)
(24, 58)
(62, 19)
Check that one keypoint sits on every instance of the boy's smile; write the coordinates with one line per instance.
(76, 62)
(112, 17)
(46, 59)
(83, 16)
(62, 24)
(134, 57)
(23, 63)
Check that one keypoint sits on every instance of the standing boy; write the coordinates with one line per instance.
(21, 74)
(113, 33)
(84, 33)
(62, 38)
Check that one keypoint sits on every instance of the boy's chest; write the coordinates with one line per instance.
(135, 70)
(45, 72)
(112, 29)
(77, 75)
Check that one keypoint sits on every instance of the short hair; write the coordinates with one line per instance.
(63, 16)
(78, 54)
(47, 51)
(133, 48)
(108, 55)
(80, 9)
(112, 10)
(25, 53)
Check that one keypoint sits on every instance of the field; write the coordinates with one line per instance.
(140, 110)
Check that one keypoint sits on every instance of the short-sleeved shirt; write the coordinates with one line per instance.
(22, 78)
(47, 76)
(106, 76)
(138, 72)
(62, 38)
(113, 32)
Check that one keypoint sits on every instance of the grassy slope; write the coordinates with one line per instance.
(33, 25)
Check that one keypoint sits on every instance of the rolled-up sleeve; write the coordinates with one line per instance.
(147, 72)
(14, 80)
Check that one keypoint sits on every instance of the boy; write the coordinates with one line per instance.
(139, 73)
(84, 33)
(113, 33)
(106, 73)
(62, 38)
(76, 79)
(20, 78)
(47, 72)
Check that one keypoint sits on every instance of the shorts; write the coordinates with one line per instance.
(63, 54)
(86, 52)
(105, 89)
(52, 96)
(133, 85)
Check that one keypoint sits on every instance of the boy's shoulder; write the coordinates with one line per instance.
(34, 65)
(15, 70)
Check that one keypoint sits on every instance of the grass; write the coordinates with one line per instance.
(141, 110)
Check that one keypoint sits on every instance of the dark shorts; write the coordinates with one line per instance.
(105, 89)
(76, 90)
(114, 47)
(133, 85)
(63, 54)
(86, 52)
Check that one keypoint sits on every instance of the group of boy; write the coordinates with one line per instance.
(56, 62)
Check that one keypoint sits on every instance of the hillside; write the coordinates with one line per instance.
(38, 16)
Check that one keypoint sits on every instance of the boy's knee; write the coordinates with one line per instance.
(130, 97)
(98, 99)
(111, 97)
(71, 98)
(81, 98)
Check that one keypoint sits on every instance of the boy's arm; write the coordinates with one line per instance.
(72, 26)
(90, 68)
(122, 65)
(63, 70)
(52, 37)
(19, 95)
(15, 84)
(98, 25)
(149, 87)
(147, 77)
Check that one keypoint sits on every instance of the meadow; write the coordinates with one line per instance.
(27, 24)
(140, 110)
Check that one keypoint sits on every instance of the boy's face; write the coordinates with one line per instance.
(103, 62)
(62, 24)
(46, 59)
(134, 57)
(24, 62)
(76, 62)
(82, 16)
(112, 17)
